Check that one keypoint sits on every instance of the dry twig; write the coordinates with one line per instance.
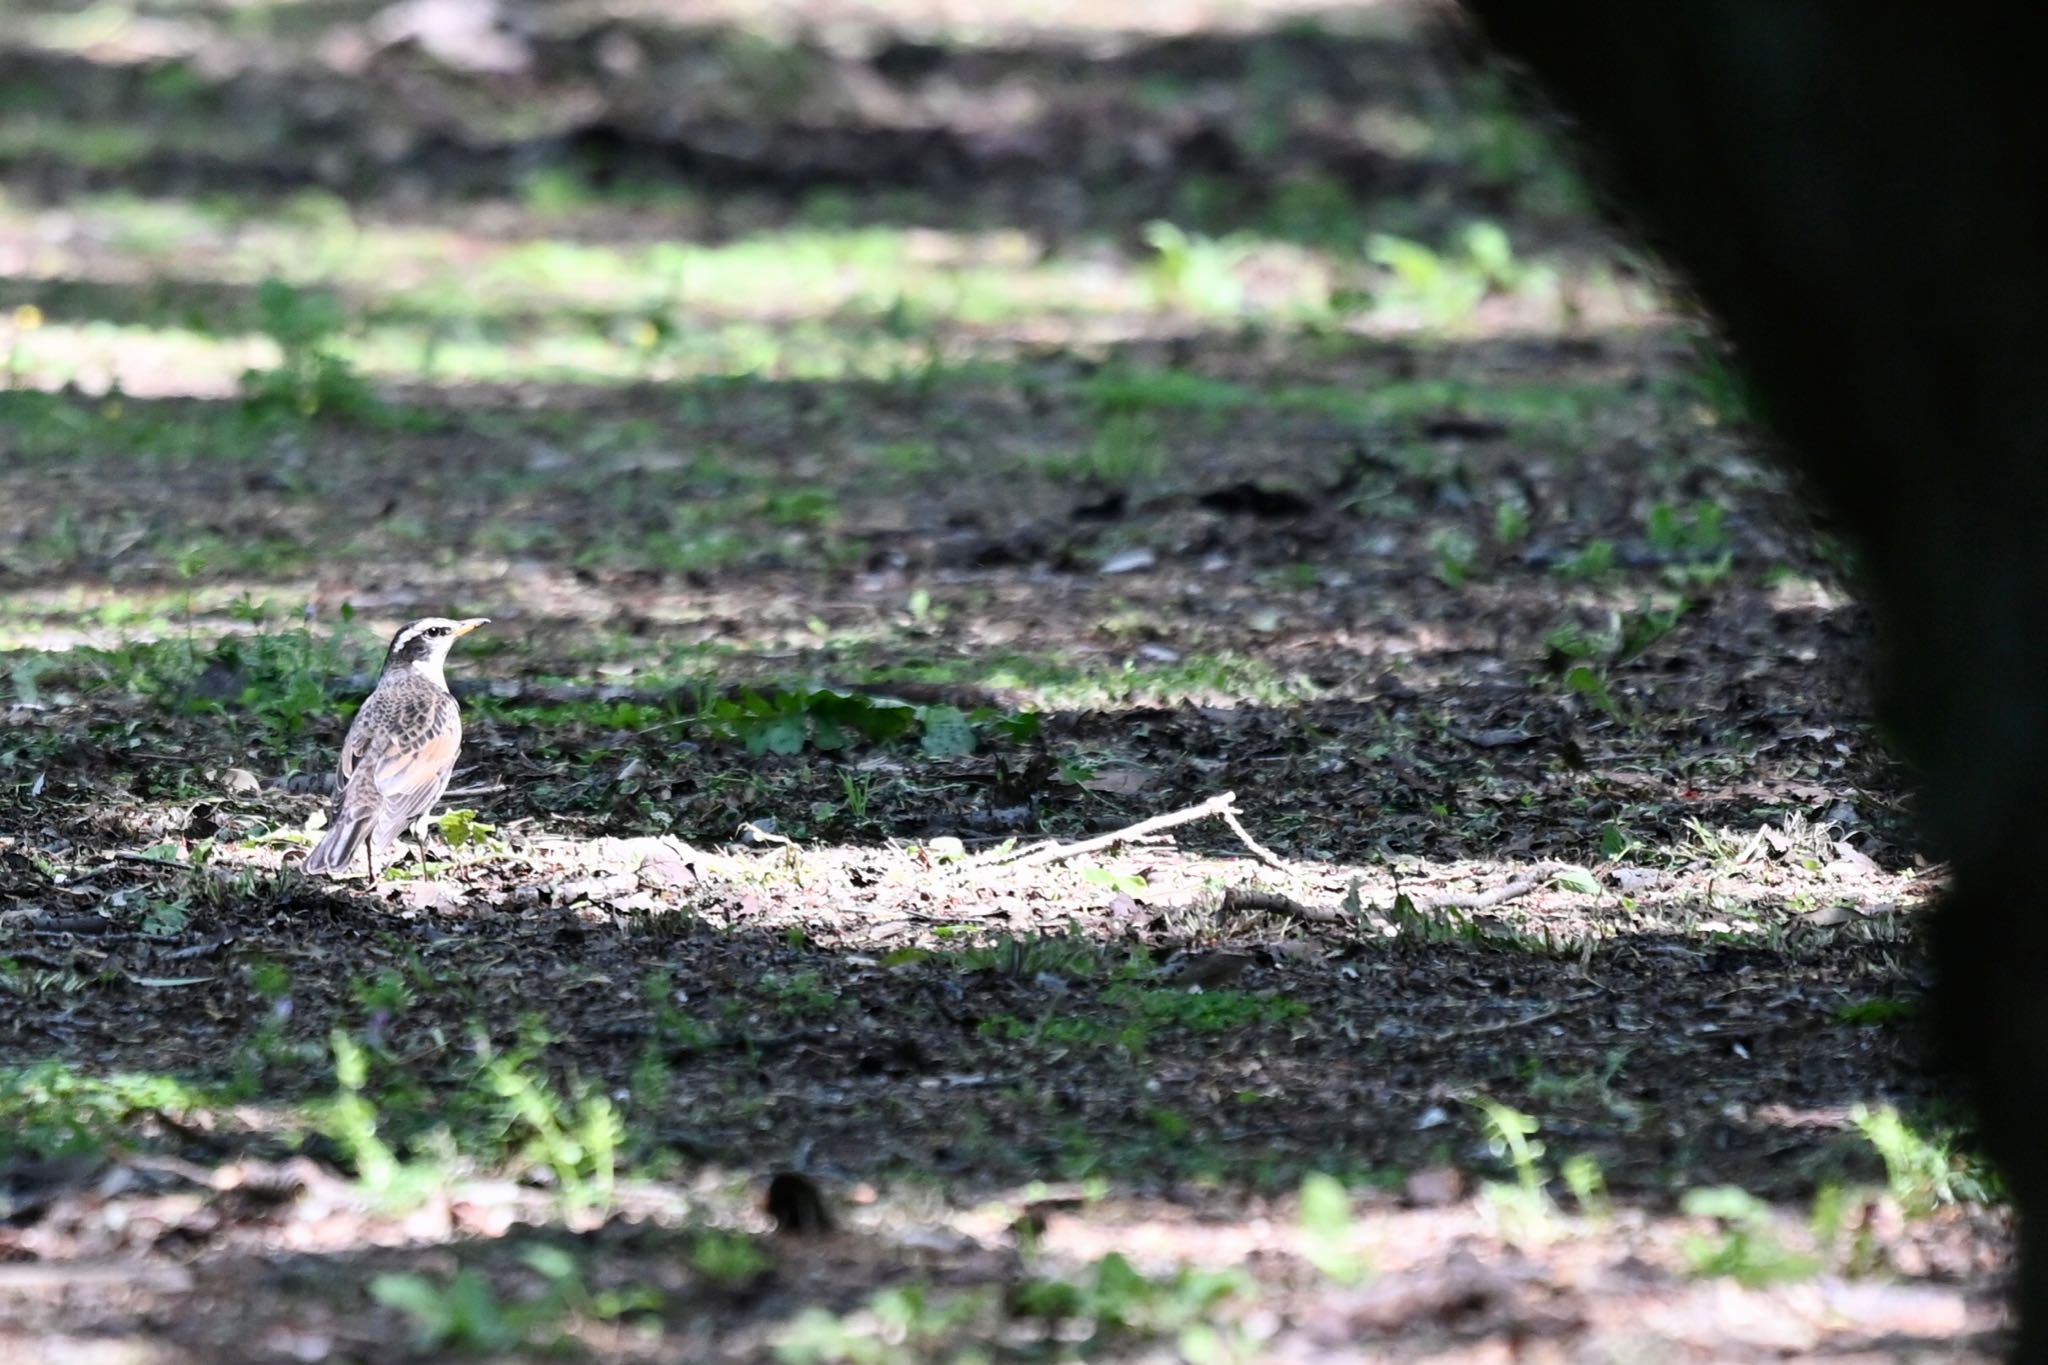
(1259, 850)
(1486, 900)
(1224, 805)
(1256, 899)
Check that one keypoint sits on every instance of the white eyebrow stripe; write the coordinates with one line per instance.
(411, 633)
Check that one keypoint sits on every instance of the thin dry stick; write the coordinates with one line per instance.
(1251, 898)
(1486, 900)
(1259, 850)
(1057, 852)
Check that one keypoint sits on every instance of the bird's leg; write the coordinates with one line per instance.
(370, 863)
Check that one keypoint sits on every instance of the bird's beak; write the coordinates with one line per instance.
(465, 627)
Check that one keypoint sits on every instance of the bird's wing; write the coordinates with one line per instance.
(362, 732)
(412, 771)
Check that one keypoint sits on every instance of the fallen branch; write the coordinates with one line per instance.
(1259, 850)
(1486, 900)
(50, 926)
(1040, 854)
(204, 948)
(1256, 900)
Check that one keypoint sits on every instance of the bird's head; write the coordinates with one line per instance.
(424, 644)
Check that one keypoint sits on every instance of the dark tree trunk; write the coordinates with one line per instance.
(1857, 192)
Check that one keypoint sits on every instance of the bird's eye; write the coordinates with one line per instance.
(438, 630)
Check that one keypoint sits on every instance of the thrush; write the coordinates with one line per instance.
(400, 748)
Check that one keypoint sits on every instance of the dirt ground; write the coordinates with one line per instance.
(1146, 700)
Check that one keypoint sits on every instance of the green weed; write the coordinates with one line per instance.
(1124, 450)
(1748, 1249)
(573, 1139)
(464, 1312)
(1877, 1011)
(1921, 1172)
(1117, 1303)
(1204, 1011)
(351, 1119)
(49, 1109)
(907, 1322)
(1190, 273)
(830, 721)
(1445, 288)
(311, 377)
(1328, 1231)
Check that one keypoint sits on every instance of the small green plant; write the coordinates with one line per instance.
(1124, 450)
(1071, 957)
(573, 1139)
(1876, 1011)
(48, 1109)
(1644, 627)
(1119, 1303)
(906, 1322)
(1191, 273)
(1456, 550)
(802, 507)
(731, 1260)
(1125, 883)
(1628, 635)
(1591, 683)
(461, 829)
(1203, 1011)
(464, 1313)
(800, 995)
(1592, 563)
(1444, 288)
(350, 1119)
(1921, 1172)
(390, 993)
(1431, 926)
(1060, 1031)
(1587, 1182)
(270, 980)
(910, 458)
(557, 191)
(1696, 542)
(829, 720)
(856, 790)
(309, 378)
(1699, 532)
(1116, 389)
(1748, 1249)
(1524, 1208)
(1511, 1134)
(166, 915)
(1327, 1230)
(1510, 523)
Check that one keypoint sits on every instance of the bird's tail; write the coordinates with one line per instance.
(344, 839)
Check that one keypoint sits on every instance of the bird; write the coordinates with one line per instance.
(400, 749)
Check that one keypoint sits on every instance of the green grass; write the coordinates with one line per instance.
(812, 301)
(51, 1109)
